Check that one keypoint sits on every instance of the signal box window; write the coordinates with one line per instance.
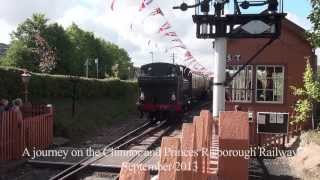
(269, 84)
(240, 88)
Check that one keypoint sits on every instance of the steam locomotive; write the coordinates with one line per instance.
(168, 90)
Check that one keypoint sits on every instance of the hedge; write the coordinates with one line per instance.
(60, 86)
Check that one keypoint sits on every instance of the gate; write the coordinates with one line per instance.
(33, 128)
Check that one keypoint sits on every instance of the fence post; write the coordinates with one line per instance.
(233, 135)
(188, 149)
(200, 147)
(169, 158)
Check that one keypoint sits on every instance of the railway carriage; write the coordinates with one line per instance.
(167, 90)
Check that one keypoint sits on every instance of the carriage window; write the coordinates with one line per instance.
(269, 84)
(240, 88)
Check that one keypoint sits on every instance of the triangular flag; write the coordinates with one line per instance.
(164, 27)
(142, 6)
(170, 34)
(112, 5)
(156, 12)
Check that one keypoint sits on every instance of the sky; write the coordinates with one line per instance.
(129, 28)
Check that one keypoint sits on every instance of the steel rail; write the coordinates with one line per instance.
(90, 160)
(164, 133)
(71, 168)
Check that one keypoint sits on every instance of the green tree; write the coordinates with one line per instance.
(29, 28)
(314, 17)
(88, 47)
(29, 48)
(124, 64)
(43, 47)
(308, 95)
(19, 55)
(58, 39)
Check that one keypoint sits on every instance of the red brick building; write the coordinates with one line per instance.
(264, 86)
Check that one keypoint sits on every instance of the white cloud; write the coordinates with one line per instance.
(16, 11)
(5, 31)
(114, 26)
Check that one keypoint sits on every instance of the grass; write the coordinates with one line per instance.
(90, 115)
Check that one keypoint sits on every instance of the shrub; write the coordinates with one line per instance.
(60, 86)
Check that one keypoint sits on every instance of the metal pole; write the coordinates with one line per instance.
(173, 58)
(97, 69)
(220, 57)
(97, 66)
(87, 68)
(151, 56)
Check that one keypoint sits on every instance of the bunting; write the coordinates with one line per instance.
(112, 5)
(156, 11)
(176, 40)
(144, 4)
(148, 2)
(165, 27)
(188, 55)
(172, 36)
(180, 46)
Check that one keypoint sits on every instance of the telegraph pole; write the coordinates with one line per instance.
(151, 52)
(219, 62)
(173, 58)
(87, 67)
(220, 57)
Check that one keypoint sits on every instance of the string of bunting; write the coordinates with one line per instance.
(167, 31)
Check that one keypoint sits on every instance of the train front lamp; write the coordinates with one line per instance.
(25, 77)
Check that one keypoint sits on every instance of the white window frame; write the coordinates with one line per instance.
(250, 88)
(256, 84)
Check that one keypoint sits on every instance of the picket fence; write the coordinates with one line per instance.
(32, 127)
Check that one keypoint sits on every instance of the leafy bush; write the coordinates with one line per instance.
(59, 86)
(99, 103)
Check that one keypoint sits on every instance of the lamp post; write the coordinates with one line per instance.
(129, 72)
(25, 77)
(87, 67)
(96, 61)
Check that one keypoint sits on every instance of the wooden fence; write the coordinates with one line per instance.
(231, 132)
(273, 140)
(27, 129)
(203, 137)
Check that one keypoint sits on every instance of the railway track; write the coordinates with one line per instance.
(129, 141)
(147, 137)
(126, 142)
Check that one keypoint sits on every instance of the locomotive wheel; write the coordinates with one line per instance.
(174, 117)
(151, 117)
(154, 117)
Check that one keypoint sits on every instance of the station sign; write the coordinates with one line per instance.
(272, 123)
